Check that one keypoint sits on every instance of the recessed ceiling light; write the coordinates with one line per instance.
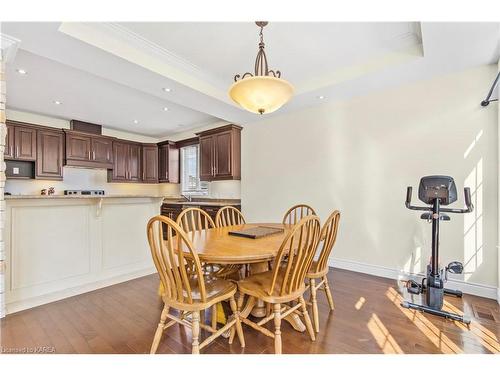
(166, 89)
(57, 102)
(21, 71)
(165, 109)
(136, 121)
(321, 97)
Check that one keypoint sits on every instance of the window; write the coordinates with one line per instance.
(190, 172)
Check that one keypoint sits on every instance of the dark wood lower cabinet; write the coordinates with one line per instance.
(50, 155)
(172, 211)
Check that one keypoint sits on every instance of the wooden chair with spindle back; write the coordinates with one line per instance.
(185, 291)
(296, 213)
(229, 215)
(286, 281)
(193, 218)
(319, 267)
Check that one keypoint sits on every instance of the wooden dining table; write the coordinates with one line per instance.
(217, 246)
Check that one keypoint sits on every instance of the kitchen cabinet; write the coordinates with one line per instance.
(220, 153)
(168, 167)
(126, 162)
(150, 166)
(50, 154)
(20, 141)
(86, 150)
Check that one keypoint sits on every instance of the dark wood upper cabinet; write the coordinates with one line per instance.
(126, 162)
(78, 146)
(220, 153)
(50, 154)
(87, 150)
(168, 162)
(101, 150)
(134, 162)
(120, 162)
(9, 142)
(20, 142)
(207, 158)
(150, 166)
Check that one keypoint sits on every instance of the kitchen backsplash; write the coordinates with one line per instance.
(82, 178)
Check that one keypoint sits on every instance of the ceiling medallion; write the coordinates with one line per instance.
(264, 91)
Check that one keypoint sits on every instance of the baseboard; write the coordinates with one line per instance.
(476, 289)
(29, 303)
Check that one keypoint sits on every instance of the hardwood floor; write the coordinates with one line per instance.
(367, 319)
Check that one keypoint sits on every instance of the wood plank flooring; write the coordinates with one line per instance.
(367, 319)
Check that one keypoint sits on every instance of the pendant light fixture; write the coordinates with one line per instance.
(264, 91)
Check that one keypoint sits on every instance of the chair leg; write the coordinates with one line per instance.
(214, 316)
(277, 328)
(314, 303)
(196, 332)
(328, 293)
(239, 328)
(307, 319)
(159, 330)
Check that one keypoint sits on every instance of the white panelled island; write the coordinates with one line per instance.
(58, 246)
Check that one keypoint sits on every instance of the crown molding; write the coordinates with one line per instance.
(8, 47)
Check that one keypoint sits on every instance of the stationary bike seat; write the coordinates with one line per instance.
(428, 216)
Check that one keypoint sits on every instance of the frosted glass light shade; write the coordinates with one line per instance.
(261, 94)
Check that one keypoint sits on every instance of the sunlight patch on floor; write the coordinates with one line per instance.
(483, 335)
(382, 336)
(360, 303)
(434, 334)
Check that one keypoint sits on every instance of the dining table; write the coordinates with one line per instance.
(218, 247)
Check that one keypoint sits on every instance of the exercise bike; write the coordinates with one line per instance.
(437, 191)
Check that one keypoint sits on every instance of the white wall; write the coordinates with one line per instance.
(359, 156)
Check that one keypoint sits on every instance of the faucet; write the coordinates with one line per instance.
(189, 198)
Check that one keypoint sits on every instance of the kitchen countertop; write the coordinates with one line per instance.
(204, 202)
(60, 196)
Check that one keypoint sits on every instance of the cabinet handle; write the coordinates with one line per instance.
(93, 155)
(17, 151)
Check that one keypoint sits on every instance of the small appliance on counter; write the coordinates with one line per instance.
(84, 192)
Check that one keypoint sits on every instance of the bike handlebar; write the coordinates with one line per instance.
(467, 197)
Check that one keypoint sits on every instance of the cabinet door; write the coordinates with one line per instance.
(120, 161)
(9, 142)
(223, 154)
(206, 158)
(78, 147)
(150, 164)
(134, 162)
(24, 143)
(163, 163)
(101, 150)
(49, 155)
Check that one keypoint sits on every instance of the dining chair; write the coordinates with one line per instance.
(284, 283)
(319, 267)
(229, 215)
(297, 212)
(184, 291)
(194, 218)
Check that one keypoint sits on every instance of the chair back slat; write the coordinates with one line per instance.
(170, 261)
(295, 255)
(327, 240)
(296, 213)
(229, 215)
(194, 219)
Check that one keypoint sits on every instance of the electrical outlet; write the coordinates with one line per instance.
(15, 170)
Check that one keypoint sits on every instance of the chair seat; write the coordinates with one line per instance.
(216, 290)
(258, 285)
(314, 272)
